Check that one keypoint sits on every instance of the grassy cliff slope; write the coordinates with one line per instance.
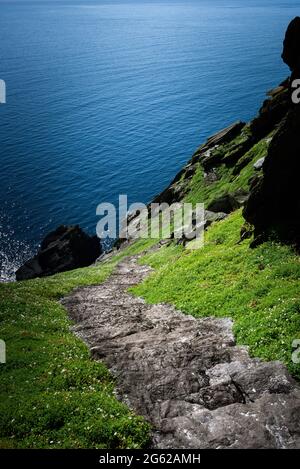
(54, 395)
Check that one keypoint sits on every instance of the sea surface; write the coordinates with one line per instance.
(112, 97)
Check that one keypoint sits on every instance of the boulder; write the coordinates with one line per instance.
(66, 248)
(211, 176)
(198, 226)
(212, 217)
(259, 164)
(227, 203)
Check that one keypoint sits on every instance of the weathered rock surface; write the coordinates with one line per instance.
(213, 157)
(272, 112)
(212, 217)
(227, 203)
(185, 375)
(66, 248)
(225, 135)
(176, 190)
(259, 164)
(198, 227)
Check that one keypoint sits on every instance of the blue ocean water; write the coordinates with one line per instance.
(112, 97)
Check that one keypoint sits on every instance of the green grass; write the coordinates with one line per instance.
(201, 191)
(259, 289)
(52, 395)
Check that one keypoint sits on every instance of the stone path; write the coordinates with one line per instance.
(185, 375)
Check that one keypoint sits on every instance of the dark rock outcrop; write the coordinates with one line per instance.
(272, 111)
(224, 136)
(209, 152)
(66, 248)
(291, 47)
(227, 203)
(274, 203)
(176, 190)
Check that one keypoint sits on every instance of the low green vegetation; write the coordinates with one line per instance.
(51, 393)
(228, 181)
(258, 288)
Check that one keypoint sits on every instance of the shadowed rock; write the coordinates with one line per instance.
(176, 190)
(66, 248)
(272, 112)
(291, 47)
(184, 375)
(274, 203)
(227, 203)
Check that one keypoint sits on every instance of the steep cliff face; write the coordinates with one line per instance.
(255, 165)
(291, 47)
(227, 169)
(274, 204)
